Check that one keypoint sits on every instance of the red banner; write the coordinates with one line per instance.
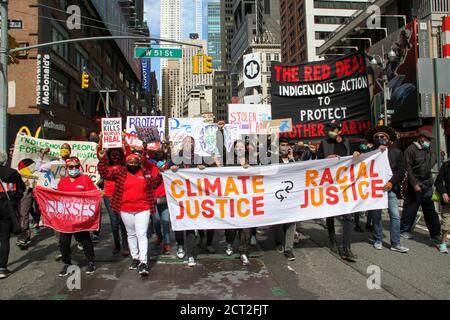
(69, 212)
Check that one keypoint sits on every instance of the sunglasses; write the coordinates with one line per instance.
(74, 167)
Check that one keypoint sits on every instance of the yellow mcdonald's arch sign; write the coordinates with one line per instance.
(100, 101)
(27, 131)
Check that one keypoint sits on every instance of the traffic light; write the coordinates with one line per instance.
(84, 80)
(196, 64)
(207, 64)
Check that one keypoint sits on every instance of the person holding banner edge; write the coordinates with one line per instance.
(133, 197)
(337, 146)
(75, 181)
(383, 138)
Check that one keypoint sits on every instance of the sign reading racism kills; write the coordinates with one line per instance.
(316, 93)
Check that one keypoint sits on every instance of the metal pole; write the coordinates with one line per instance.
(107, 103)
(3, 74)
(437, 125)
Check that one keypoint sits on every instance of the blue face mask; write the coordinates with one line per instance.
(381, 142)
(426, 145)
(74, 173)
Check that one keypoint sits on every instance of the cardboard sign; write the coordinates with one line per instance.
(144, 121)
(148, 134)
(278, 126)
(112, 132)
(249, 117)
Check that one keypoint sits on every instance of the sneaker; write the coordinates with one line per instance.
(191, 262)
(135, 264)
(443, 248)
(125, 253)
(229, 250)
(289, 255)
(167, 249)
(58, 256)
(180, 252)
(210, 249)
(359, 229)
(4, 273)
(143, 269)
(79, 246)
(279, 248)
(95, 238)
(400, 249)
(406, 235)
(64, 271)
(253, 241)
(90, 268)
(23, 242)
(348, 255)
(244, 259)
(378, 245)
(158, 241)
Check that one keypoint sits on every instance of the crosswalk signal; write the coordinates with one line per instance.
(84, 80)
(196, 64)
(207, 64)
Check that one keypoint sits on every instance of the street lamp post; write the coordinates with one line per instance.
(383, 65)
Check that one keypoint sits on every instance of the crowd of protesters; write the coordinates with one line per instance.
(134, 195)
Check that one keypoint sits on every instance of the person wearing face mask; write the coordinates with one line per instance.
(309, 153)
(383, 138)
(186, 158)
(93, 137)
(133, 197)
(75, 181)
(244, 235)
(284, 233)
(46, 167)
(420, 188)
(337, 146)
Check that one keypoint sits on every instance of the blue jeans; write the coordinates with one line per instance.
(116, 224)
(394, 215)
(162, 215)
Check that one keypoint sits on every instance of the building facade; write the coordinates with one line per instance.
(71, 111)
(198, 102)
(221, 95)
(306, 24)
(214, 45)
(170, 22)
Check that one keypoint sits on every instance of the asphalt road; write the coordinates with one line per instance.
(423, 273)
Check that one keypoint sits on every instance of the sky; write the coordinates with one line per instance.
(152, 15)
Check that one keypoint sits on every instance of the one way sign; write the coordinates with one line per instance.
(252, 70)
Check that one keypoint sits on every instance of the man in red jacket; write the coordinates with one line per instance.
(75, 181)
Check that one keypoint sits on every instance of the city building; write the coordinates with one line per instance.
(71, 112)
(198, 18)
(170, 79)
(221, 95)
(214, 34)
(306, 24)
(198, 102)
(170, 23)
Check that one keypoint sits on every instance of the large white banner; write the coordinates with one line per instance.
(249, 117)
(252, 70)
(234, 197)
(203, 133)
(27, 152)
(146, 122)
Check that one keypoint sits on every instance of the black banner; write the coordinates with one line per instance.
(314, 94)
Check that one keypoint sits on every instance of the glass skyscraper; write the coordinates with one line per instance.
(214, 33)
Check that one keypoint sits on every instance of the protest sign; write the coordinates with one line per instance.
(69, 212)
(249, 117)
(234, 197)
(27, 152)
(112, 133)
(203, 133)
(148, 134)
(278, 126)
(313, 94)
(144, 122)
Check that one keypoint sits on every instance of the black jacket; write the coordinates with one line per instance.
(11, 180)
(443, 179)
(397, 163)
(418, 164)
(327, 148)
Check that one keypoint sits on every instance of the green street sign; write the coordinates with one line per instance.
(158, 53)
